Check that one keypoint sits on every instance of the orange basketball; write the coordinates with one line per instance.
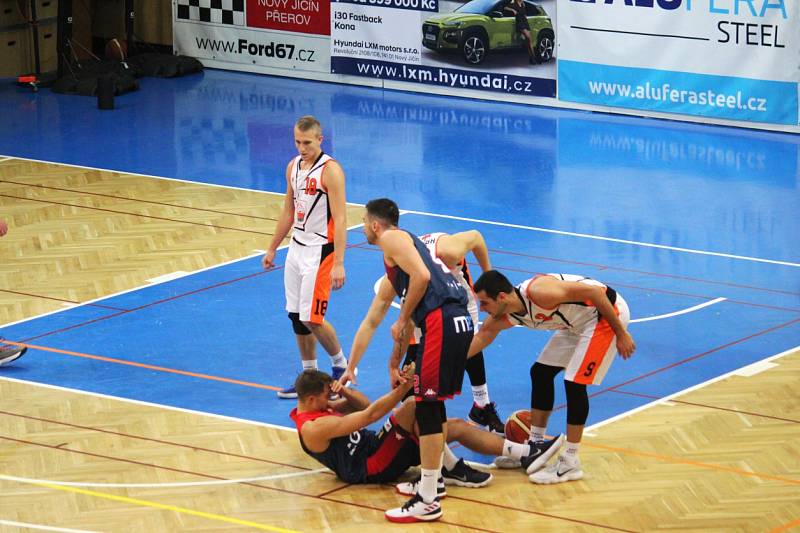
(518, 426)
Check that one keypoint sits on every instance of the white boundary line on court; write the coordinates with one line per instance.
(609, 239)
(681, 312)
(163, 485)
(148, 404)
(71, 305)
(376, 286)
(40, 527)
(666, 399)
(465, 219)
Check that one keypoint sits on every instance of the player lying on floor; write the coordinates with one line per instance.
(334, 433)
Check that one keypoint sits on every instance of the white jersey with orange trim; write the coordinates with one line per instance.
(313, 223)
(572, 316)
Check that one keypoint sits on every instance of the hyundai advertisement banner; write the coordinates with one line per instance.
(727, 59)
(285, 34)
(477, 44)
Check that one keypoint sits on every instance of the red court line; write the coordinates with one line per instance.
(157, 302)
(159, 441)
(698, 356)
(211, 476)
(134, 199)
(687, 360)
(62, 300)
(145, 365)
(134, 214)
(636, 287)
(656, 274)
(737, 411)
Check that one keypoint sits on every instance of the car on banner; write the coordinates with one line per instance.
(480, 26)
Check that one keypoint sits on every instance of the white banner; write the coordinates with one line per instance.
(733, 59)
(286, 34)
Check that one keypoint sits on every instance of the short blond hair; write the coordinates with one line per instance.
(307, 123)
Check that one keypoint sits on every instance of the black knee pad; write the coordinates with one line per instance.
(542, 389)
(476, 370)
(297, 325)
(429, 417)
(577, 403)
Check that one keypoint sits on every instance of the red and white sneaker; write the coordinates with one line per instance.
(410, 488)
(415, 510)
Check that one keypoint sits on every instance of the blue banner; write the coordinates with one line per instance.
(679, 92)
(444, 77)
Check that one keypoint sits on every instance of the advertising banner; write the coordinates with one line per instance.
(727, 59)
(286, 34)
(477, 44)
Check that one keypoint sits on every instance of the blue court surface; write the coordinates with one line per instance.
(696, 226)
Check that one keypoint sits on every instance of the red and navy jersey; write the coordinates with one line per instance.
(442, 287)
(346, 456)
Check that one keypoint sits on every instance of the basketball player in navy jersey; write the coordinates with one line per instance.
(436, 303)
(314, 210)
(334, 433)
(450, 251)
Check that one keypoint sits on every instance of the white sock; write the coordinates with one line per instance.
(449, 459)
(310, 364)
(427, 484)
(515, 450)
(570, 453)
(339, 360)
(480, 394)
(537, 433)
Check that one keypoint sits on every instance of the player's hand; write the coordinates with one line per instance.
(625, 345)
(408, 374)
(349, 376)
(400, 331)
(337, 387)
(396, 378)
(268, 261)
(337, 277)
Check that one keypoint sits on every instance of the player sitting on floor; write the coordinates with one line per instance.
(333, 432)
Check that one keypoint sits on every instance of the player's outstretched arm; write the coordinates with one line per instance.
(318, 433)
(551, 292)
(453, 248)
(486, 335)
(375, 315)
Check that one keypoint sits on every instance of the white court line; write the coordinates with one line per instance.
(159, 282)
(4, 159)
(466, 219)
(148, 404)
(41, 527)
(609, 239)
(681, 312)
(666, 399)
(164, 485)
(376, 286)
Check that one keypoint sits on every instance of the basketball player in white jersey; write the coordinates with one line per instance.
(314, 209)
(591, 322)
(449, 251)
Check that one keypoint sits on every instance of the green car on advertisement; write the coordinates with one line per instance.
(481, 25)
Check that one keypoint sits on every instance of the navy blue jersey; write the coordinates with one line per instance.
(442, 288)
(346, 456)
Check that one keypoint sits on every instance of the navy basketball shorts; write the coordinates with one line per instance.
(397, 451)
(442, 352)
